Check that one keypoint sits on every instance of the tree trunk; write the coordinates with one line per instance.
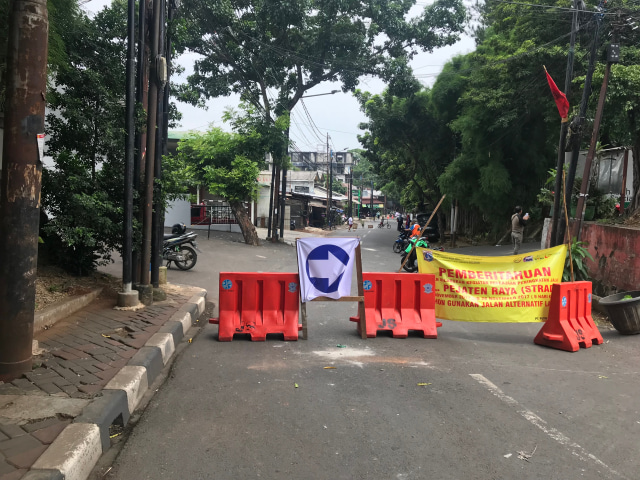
(248, 230)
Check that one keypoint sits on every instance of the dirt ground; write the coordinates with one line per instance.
(54, 284)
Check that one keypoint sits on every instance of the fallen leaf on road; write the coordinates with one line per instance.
(329, 368)
(105, 336)
(423, 384)
(526, 456)
(341, 346)
(508, 455)
(295, 385)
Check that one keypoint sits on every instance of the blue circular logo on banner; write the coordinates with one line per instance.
(564, 302)
(293, 287)
(367, 285)
(589, 298)
(325, 267)
(428, 288)
(227, 284)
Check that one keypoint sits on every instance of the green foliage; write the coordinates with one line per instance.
(291, 46)
(579, 253)
(237, 183)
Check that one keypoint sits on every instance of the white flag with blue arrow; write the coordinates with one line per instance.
(325, 266)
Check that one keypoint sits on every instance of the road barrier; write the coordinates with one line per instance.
(399, 302)
(258, 304)
(569, 324)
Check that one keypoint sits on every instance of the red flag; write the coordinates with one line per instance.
(561, 99)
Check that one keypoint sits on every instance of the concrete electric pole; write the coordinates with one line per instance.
(21, 181)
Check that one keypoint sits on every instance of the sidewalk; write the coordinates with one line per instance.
(289, 236)
(90, 373)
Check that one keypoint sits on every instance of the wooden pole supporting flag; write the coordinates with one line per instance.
(406, 259)
(566, 217)
(357, 298)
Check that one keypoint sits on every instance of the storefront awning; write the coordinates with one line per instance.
(315, 203)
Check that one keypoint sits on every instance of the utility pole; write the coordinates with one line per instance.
(129, 297)
(145, 280)
(577, 127)
(273, 184)
(555, 240)
(157, 227)
(613, 56)
(142, 80)
(351, 193)
(330, 188)
(328, 205)
(21, 182)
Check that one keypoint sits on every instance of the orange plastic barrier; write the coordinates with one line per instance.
(257, 304)
(399, 302)
(569, 325)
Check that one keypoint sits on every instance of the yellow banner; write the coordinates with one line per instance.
(514, 288)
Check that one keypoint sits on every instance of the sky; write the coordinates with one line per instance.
(337, 115)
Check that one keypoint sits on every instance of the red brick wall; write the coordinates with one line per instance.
(616, 254)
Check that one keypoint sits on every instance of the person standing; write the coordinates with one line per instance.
(350, 221)
(518, 222)
(399, 220)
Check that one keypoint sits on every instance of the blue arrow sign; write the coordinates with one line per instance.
(325, 267)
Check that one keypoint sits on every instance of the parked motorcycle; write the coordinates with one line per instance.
(412, 264)
(180, 247)
(401, 242)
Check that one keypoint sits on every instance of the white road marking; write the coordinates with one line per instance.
(558, 436)
(370, 249)
(260, 256)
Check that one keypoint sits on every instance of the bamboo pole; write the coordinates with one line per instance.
(406, 259)
(566, 219)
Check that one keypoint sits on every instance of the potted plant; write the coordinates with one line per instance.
(624, 311)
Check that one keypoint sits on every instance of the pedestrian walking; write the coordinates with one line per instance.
(518, 222)
(350, 221)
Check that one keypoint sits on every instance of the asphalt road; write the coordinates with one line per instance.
(495, 406)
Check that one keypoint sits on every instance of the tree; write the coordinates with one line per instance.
(256, 48)
(83, 191)
(229, 163)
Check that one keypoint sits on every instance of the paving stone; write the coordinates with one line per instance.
(11, 430)
(69, 390)
(27, 458)
(64, 354)
(17, 475)
(50, 388)
(102, 359)
(61, 382)
(88, 379)
(24, 384)
(154, 328)
(18, 444)
(90, 389)
(108, 374)
(8, 389)
(76, 352)
(119, 363)
(49, 434)
(40, 374)
(80, 370)
(47, 422)
(3, 437)
(68, 374)
(6, 469)
(127, 353)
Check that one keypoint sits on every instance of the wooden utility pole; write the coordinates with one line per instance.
(21, 182)
(563, 130)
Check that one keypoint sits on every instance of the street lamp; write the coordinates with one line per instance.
(320, 94)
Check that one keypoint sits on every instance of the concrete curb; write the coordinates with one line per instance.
(56, 312)
(76, 451)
